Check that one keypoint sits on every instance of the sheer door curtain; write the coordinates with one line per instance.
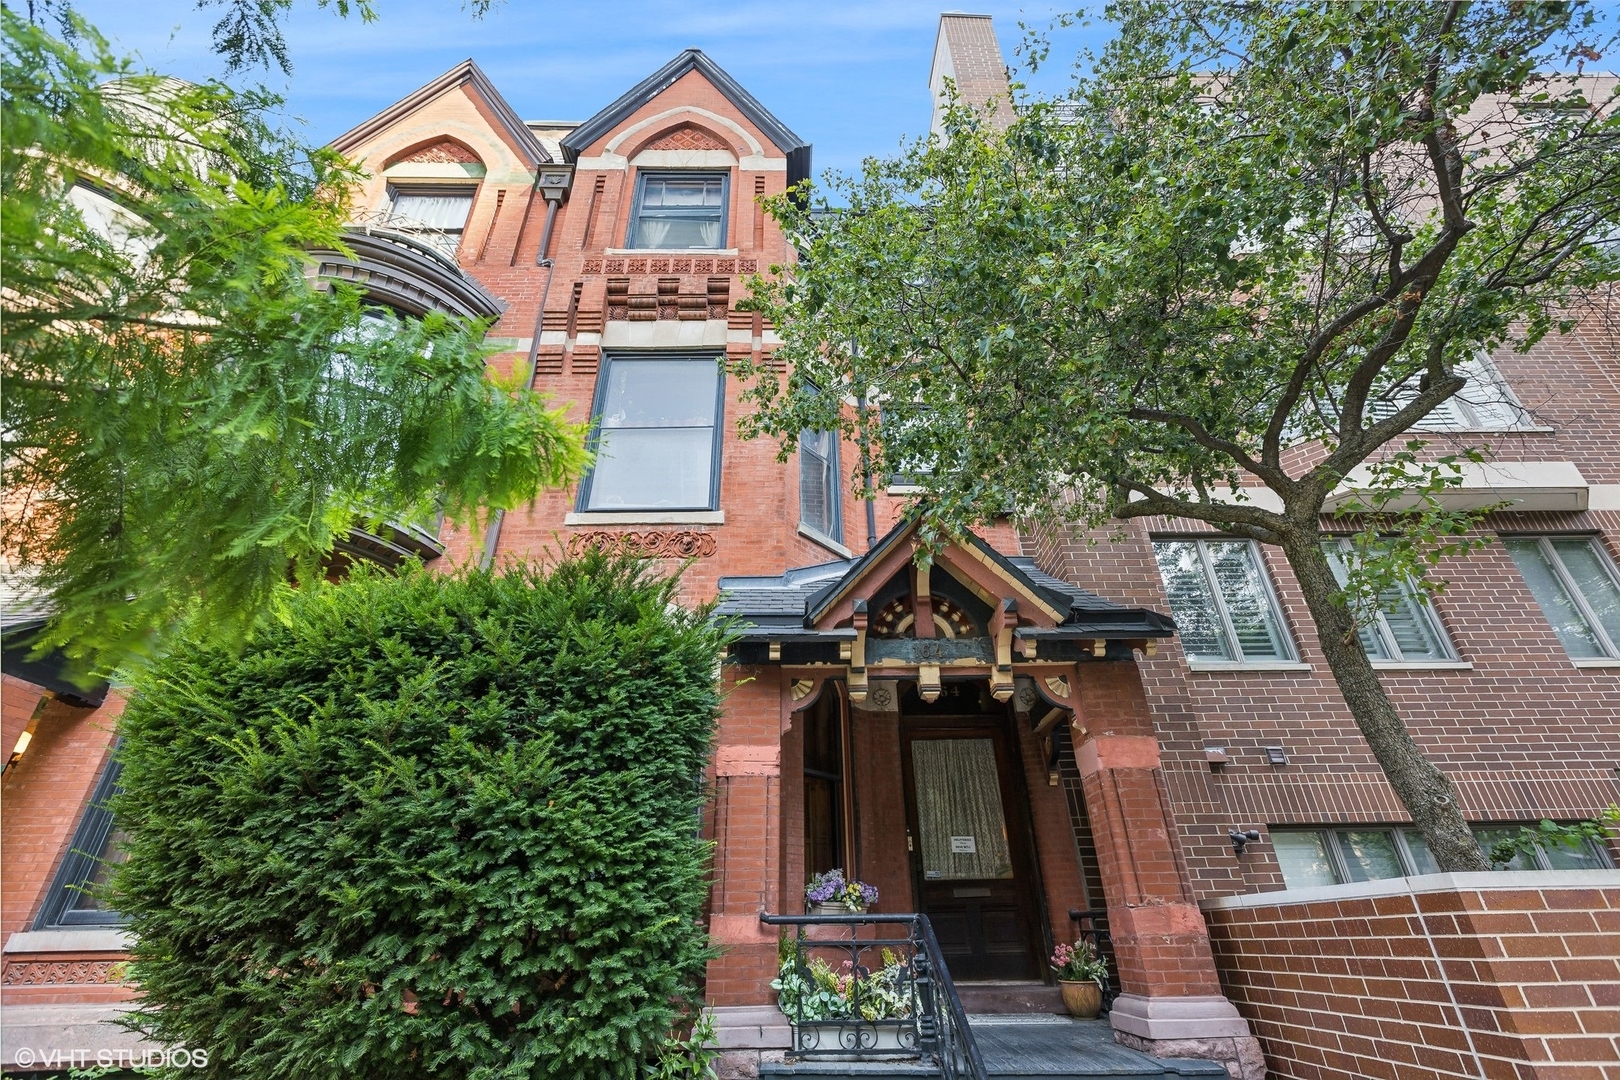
(959, 814)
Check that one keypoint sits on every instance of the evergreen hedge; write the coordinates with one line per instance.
(425, 826)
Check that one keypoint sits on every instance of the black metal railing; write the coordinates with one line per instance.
(885, 996)
(1092, 925)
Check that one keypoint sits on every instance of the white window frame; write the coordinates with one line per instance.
(1458, 414)
(1223, 616)
(1328, 834)
(1392, 649)
(1610, 647)
(835, 490)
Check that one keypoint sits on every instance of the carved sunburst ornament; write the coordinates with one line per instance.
(896, 618)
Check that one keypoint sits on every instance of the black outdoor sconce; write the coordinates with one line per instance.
(1240, 840)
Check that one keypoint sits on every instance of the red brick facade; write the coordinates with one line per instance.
(1121, 807)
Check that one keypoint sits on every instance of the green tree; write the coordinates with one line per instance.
(185, 414)
(426, 826)
(1254, 245)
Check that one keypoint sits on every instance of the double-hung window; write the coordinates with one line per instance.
(1404, 628)
(1576, 584)
(1223, 604)
(679, 211)
(77, 895)
(820, 486)
(657, 435)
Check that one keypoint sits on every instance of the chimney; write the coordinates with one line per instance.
(966, 52)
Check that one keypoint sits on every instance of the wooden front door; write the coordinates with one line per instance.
(967, 836)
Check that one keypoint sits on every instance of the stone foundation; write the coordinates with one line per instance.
(1240, 1056)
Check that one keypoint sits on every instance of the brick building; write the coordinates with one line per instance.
(1018, 730)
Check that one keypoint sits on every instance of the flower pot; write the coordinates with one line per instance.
(835, 908)
(1082, 999)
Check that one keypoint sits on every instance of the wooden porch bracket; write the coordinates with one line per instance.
(857, 654)
(1005, 622)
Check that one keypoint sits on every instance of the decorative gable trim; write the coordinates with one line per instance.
(464, 73)
(592, 130)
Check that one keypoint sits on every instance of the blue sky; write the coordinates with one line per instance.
(850, 77)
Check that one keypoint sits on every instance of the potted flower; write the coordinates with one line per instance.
(830, 894)
(1080, 973)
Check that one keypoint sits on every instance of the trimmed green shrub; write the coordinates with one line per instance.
(426, 826)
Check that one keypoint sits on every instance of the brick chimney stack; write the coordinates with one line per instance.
(966, 52)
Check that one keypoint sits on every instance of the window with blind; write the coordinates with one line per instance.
(1577, 587)
(819, 488)
(1403, 628)
(1485, 404)
(657, 435)
(679, 211)
(1223, 604)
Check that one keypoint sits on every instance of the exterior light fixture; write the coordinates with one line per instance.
(1276, 755)
(1216, 756)
(1240, 840)
(22, 745)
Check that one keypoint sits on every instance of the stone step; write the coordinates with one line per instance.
(1009, 997)
(1028, 1046)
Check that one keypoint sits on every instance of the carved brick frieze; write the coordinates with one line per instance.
(60, 972)
(445, 152)
(662, 266)
(668, 297)
(687, 137)
(646, 544)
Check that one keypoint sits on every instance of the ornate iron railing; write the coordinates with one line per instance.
(1092, 925)
(884, 996)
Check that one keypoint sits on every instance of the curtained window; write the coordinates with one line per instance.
(434, 213)
(679, 211)
(1578, 589)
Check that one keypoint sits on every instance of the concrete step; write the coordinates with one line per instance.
(1009, 997)
(1028, 1046)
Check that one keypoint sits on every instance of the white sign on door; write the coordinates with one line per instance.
(964, 845)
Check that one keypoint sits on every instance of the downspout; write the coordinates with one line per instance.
(866, 470)
(553, 197)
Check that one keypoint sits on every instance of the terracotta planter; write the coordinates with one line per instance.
(1082, 999)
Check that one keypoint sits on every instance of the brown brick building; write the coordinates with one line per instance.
(1019, 730)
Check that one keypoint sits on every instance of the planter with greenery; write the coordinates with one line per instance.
(427, 826)
(1080, 973)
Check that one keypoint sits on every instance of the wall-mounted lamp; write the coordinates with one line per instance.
(1276, 755)
(1240, 840)
(1216, 756)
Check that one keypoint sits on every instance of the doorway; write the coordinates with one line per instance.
(967, 834)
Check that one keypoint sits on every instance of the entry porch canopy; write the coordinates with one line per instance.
(897, 612)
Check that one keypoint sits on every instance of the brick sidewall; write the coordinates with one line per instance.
(1468, 975)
